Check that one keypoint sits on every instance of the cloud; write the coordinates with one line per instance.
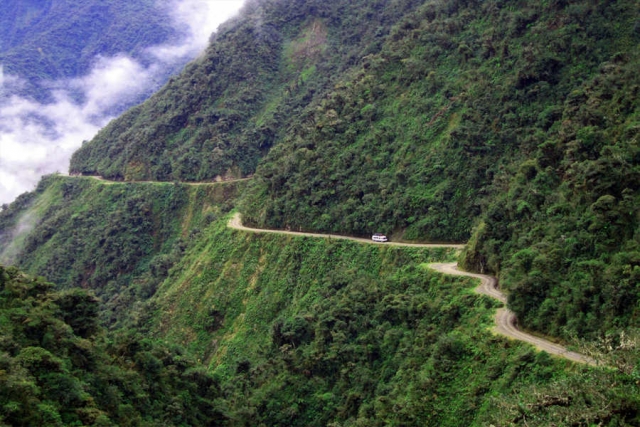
(38, 139)
(112, 82)
(25, 224)
(200, 18)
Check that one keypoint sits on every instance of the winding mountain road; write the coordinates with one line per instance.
(505, 319)
(506, 322)
(193, 184)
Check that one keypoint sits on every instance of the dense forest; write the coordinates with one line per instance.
(58, 368)
(510, 126)
(46, 40)
(303, 331)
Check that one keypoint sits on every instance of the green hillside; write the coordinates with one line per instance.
(521, 121)
(229, 107)
(311, 332)
(118, 240)
(318, 331)
(509, 126)
(513, 123)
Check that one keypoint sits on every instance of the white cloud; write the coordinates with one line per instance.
(112, 81)
(37, 139)
(200, 18)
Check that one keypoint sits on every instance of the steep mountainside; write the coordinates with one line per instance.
(510, 125)
(229, 107)
(312, 332)
(424, 120)
(522, 121)
(306, 331)
(45, 40)
(118, 240)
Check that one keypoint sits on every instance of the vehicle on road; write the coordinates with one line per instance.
(379, 238)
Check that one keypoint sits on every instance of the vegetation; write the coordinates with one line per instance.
(229, 107)
(419, 136)
(45, 40)
(309, 331)
(517, 119)
(119, 240)
(568, 221)
(314, 332)
(513, 125)
(57, 368)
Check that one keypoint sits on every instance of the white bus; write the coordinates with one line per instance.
(379, 237)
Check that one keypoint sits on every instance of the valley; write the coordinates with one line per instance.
(208, 259)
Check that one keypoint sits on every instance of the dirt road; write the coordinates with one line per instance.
(236, 222)
(193, 184)
(506, 322)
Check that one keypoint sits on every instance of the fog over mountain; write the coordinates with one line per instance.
(37, 139)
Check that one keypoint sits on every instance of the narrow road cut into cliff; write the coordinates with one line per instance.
(194, 184)
(506, 322)
(236, 222)
(505, 319)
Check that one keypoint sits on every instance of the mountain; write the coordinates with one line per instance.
(513, 126)
(293, 330)
(229, 107)
(42, 41)
(510, 126)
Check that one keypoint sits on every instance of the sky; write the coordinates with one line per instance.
(38, 139)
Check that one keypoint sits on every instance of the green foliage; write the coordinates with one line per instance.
(225, 111)
(56, 373)
(507, 117)
(512, 123)
(118, 239)
(413, 139)
(312, 331)
(590, 398)
(441, 116)
(565, 235)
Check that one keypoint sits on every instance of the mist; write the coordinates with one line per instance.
(15, 237)
(38, 139)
